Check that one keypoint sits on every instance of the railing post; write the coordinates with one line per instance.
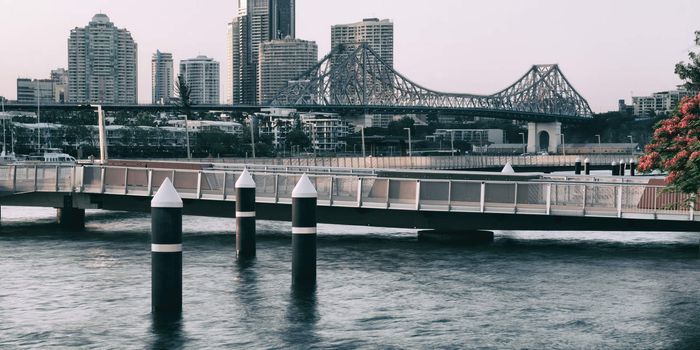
(482, 197)
(449, 195)
(150, 183)
(102, 180)
(199, 184)
(35, 178)
(549, 199)
(619, 202)
(417, 195)
(359, 192)
(126, 180)
(692, 208)
(14, 178)
(56, 184)
(585, 192)
(82, 179)
(223, 187)
(277, 181)
(330, 196)
(388, 186)
(515, 199)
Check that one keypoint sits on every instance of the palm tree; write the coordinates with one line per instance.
(185, 106)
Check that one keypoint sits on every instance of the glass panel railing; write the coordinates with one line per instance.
(434, 193)
(137, 181)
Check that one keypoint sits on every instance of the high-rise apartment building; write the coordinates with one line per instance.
(378, 34)
(161, 77)
(659, 103)
(202, 77)
(257, 21)
(102, 62)
(280, 61)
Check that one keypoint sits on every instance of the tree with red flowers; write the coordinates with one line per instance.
(675, 147)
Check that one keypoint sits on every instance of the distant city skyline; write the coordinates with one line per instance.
(607, 50)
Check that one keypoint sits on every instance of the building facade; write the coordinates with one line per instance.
(202, 77)
(59, 76)
(257, 21)
(28, 91)
(378, 34)
(327, 131)
(659, 103)
(162, 78)
(102, 61)
(478, 137)
(280, 61)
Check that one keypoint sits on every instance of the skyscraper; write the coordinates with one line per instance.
(161, 77)
(202, 77)
(59, 76)
(102, 64)
(377, 34)
(257, 21)
(281, 61)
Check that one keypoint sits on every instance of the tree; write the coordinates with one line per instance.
(675, 147)
(298, 137)
(184, 105)
(690, 72)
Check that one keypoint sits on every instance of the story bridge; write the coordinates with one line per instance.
(358, 81)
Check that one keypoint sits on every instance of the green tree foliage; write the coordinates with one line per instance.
(690, 72)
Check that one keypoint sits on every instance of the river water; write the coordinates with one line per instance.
(377, 288)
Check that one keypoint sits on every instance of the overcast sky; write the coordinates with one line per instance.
(607, 49)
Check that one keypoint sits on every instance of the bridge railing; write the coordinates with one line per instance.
(470, 161)
(600, 198)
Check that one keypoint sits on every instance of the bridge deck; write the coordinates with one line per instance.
(575, 202)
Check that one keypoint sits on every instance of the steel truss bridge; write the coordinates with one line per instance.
(359, 81)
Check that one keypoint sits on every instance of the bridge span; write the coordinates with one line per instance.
(489, 201)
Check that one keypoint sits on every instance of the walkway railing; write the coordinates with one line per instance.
(599, 198)
(422, 162)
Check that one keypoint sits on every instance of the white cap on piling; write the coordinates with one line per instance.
(631, 160)
(614, 163)
(622, 161)
(167, 196)
(508, 169)
(586, 160)
(245, 180)
(304, 188)
(578, 160)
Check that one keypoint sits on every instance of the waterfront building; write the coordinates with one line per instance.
(277, 123)
(327, 131)
(28, 91)
(378, 34)
(202, 77)
(162, 77)
(280, 61)
(257, 21)
(473, 136)
(659, 103)
(102, 62)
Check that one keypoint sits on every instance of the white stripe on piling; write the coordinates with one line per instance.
(166, 248)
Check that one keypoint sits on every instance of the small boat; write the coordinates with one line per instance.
(49, 156)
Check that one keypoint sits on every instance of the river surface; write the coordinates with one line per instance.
(377, 288)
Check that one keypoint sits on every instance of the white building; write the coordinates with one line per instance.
(202, 76)
(162, 89)
(102, 61)
(664, 102)
(326, 131)
(280, 61)
(478, 137)
(378, 34)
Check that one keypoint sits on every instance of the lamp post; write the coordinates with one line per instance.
(410, 150)
(631, 140)
(523, 135)
(598, 136)
(362, 132)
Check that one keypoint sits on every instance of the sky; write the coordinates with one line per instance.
(607, 49)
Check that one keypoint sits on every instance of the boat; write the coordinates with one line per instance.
(53, 156)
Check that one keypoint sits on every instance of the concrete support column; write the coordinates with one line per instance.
(553, 129)
(166, 251)
(70, 218)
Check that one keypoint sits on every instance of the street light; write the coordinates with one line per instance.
(630, 136)
(362, 131)
(598, 136)
(410, 150)
(523, 135)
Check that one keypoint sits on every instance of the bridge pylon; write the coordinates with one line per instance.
(543, 137)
